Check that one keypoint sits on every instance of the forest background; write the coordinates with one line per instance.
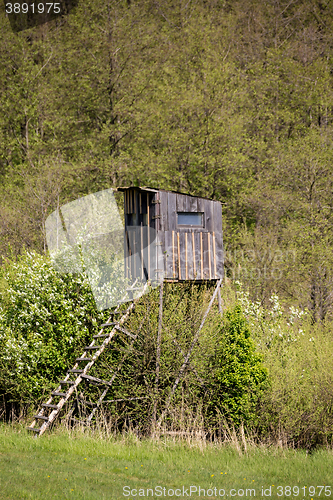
(232, 100)
(228, 100)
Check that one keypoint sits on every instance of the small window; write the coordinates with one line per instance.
(190, 219)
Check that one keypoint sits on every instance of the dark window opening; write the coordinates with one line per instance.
(132, 220)
(190, 219)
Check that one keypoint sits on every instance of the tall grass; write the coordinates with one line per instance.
(87, 465)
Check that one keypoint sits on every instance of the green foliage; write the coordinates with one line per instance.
(238, 377)
(225, 100)
(45, 319)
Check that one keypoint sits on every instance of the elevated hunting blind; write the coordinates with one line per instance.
(168, 236)
(188, 230)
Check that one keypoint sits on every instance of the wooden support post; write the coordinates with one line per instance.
(179, 263)
(219, 301)
(158, 352)
(173, 255)
(209, 258)
(201, 381)
(201, 256)
(148, 238)
(186, 268)
(141, 237)
(214, 253)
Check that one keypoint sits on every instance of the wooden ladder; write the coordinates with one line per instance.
(51, 409)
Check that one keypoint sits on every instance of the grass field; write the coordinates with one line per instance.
(60, 466)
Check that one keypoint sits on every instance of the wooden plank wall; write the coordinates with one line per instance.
(141, 248)
(193, 253)
(188, 253)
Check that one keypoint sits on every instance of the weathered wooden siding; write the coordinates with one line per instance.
(189, 252)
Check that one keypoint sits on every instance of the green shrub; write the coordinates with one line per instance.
(45, 320)
(237, 374)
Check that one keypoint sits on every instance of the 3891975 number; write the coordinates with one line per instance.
(34, 8)
(303, 491)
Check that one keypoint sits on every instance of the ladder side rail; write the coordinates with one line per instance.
(104, 393)
(77, 381)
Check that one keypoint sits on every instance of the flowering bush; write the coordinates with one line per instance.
(273, 324)
(45, 320)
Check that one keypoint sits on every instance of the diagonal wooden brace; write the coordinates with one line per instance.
(186, 360)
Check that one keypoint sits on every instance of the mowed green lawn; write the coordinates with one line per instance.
(59, 466)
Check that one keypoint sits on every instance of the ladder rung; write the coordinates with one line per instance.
(101, 335)
(56, 393)
(54, 407)
(83, 359)
(69, 382)
(41, 417)
(108, 324)
(74, 370)
(34, 429)
(90, 347)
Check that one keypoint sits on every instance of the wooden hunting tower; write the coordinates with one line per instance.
(186, 229)
(168, 237)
